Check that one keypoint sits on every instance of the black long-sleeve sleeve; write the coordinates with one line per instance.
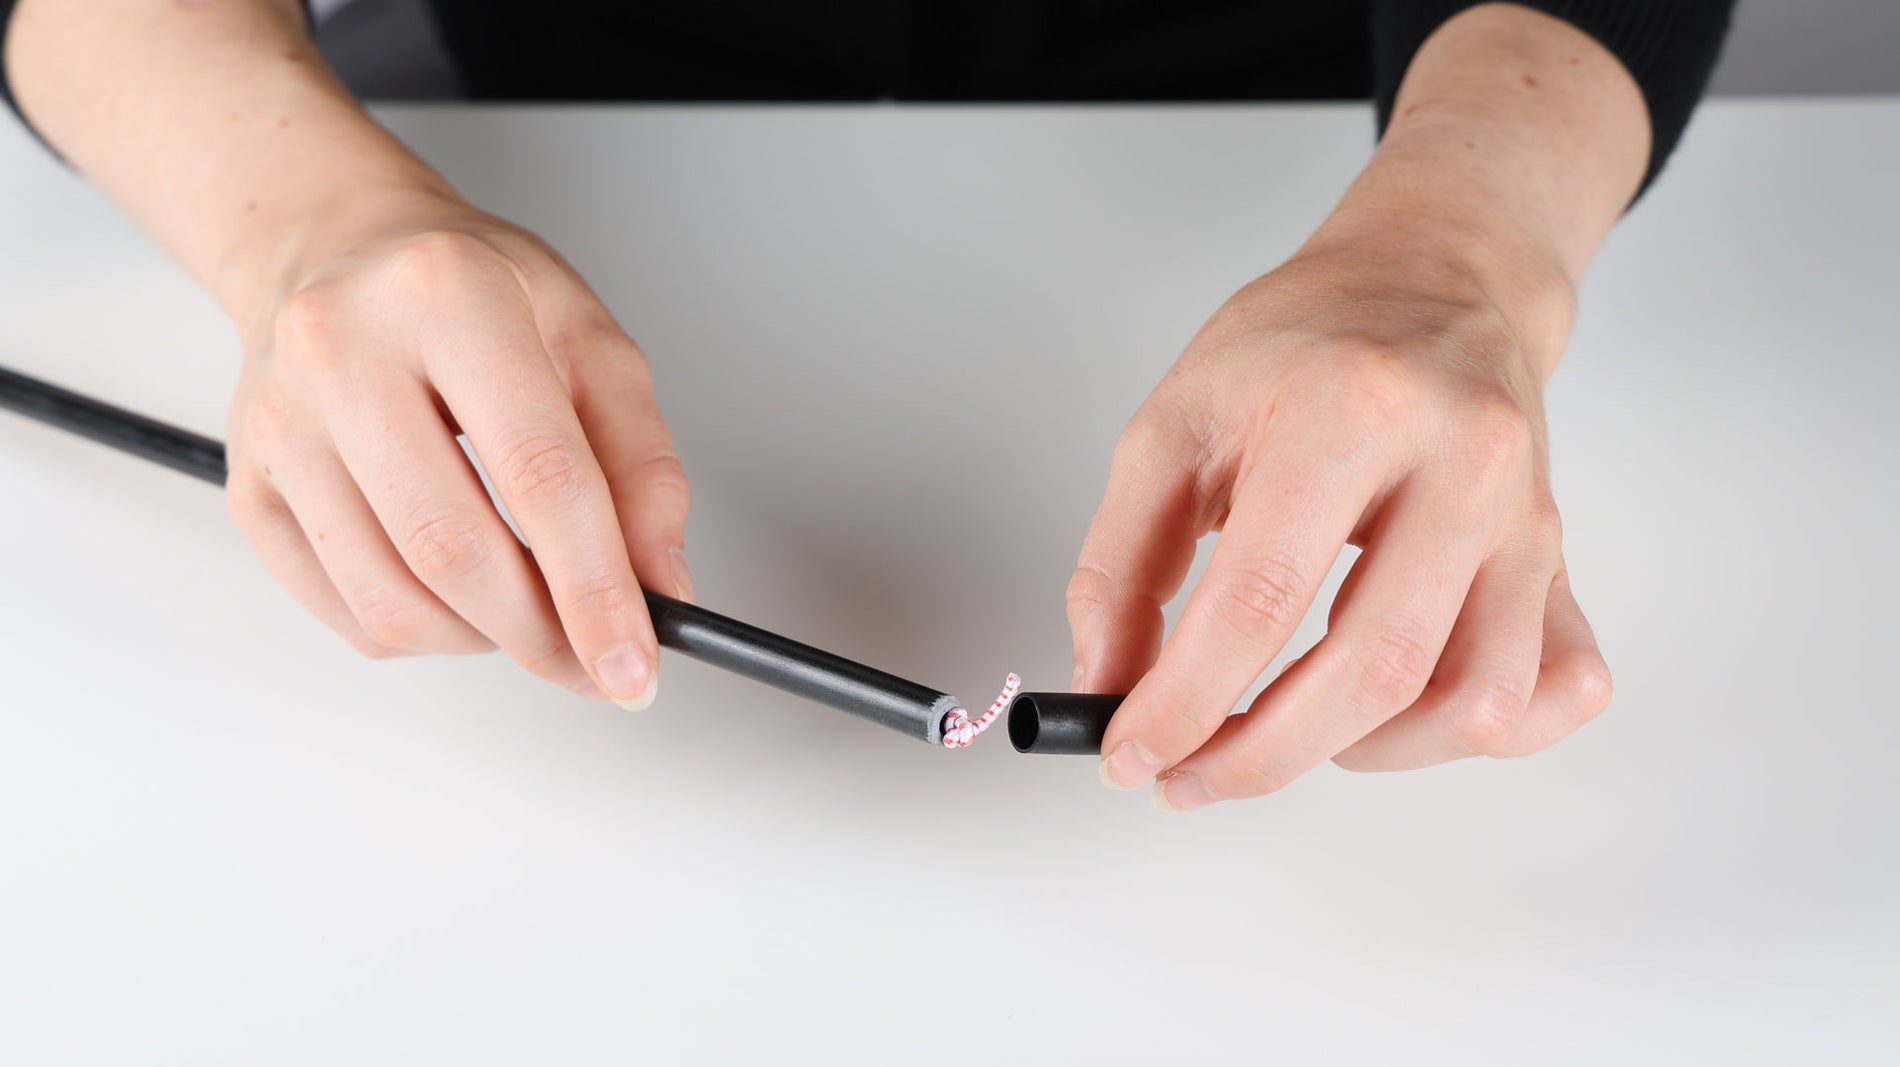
(991, 50)
(1668, 46)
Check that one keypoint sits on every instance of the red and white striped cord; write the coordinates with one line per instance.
(959, 729)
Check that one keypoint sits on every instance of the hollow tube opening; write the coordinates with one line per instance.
(1060, 724)
(1024, 723)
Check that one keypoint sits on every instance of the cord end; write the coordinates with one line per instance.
(959, 729)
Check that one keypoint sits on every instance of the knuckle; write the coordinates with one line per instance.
(1495, 436)
(1164, 440)
(619, 353)
(1546, 527)
(550, 658)
(542, 469)
(266, 425)
(664, 477)
(397, 620)
(439, 259)
(1359, 761)
(307, 322)
(599, 597)
(1586, 686)
(632, 365)
(1090, 590)
(247, 502)
(1375, 384)
(445, 547)
(1143, 435)
(1259, 599)
(369, 648)
(1255, 776)
(1390, 670)
(1178, 727)
(1489, 717)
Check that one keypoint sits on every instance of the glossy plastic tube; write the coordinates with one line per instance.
(127, 431)
(905, 706)
(1061, 724)
(778, 661)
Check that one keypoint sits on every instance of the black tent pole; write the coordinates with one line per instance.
(908, 707)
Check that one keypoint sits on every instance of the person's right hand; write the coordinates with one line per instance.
(378, 344)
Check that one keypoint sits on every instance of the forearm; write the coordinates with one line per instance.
(1516, 142)
(216, 126)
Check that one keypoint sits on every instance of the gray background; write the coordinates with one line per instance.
(386, 48)
(1806, 47)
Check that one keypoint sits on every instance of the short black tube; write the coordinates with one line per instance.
(1061, 724)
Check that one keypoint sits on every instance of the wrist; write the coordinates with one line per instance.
(1515, 142)
(1435, 231)
(281, 252)
(221, 131)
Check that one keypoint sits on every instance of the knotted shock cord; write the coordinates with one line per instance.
(959, 729)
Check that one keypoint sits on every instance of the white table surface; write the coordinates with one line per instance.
(224, 839)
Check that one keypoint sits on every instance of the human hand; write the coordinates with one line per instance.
(1372, 391)
(383, 339)
(1384, 389)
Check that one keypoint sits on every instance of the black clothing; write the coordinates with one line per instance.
(997, 50)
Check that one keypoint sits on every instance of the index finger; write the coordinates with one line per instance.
(1136, 554)
(497, 378)
(1292, 513)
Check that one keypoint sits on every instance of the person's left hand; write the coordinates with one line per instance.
(1368, 392)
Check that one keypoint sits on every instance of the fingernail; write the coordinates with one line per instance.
(1128, 766)
(628, 679)
(1180, 792)
(682, 578)
(1075, 680)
